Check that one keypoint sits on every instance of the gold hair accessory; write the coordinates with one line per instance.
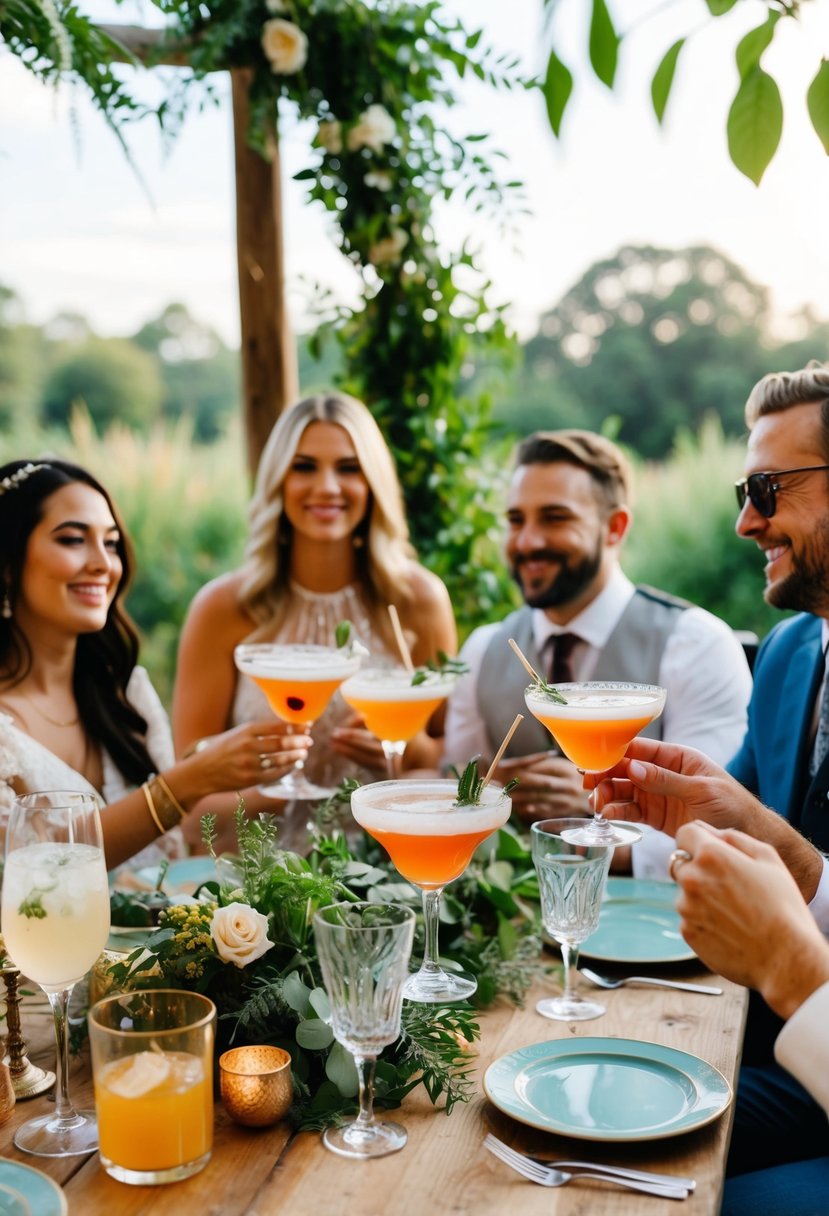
(15, 479)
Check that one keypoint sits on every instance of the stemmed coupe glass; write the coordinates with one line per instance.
(430, 840)
(571, 882)
(55, 921)
(298, 681)
(364, 954)
(395, 705)
(593, 722)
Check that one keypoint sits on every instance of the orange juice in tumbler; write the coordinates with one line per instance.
(155, 1110)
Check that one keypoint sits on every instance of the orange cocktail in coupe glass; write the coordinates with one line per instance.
(396, 704)
(298, 681)
(430, 841)
(593, 722)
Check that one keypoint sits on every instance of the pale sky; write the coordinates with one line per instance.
(78, 233)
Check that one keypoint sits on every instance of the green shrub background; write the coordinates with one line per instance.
(184, 505)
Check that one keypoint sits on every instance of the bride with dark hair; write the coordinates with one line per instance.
(76, 711)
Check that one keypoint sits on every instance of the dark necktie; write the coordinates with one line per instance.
(561, 669)
(821, 745)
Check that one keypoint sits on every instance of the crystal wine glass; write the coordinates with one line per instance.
(571, 882)
(593, 722)
(55, 919)
(364, 954)
(298, 681)
(430, 841)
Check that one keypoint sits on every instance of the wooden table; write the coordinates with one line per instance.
(444, 1167)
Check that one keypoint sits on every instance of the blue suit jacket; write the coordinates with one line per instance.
(773, 761)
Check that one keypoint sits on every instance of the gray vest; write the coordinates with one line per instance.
(633, 652)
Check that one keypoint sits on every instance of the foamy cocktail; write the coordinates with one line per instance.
(393, 706)
(298, 681)
(593, 722)
(430, 840)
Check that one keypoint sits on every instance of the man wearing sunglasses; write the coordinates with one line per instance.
(784, 509)
(784, 758)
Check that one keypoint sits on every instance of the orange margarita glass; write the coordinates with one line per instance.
(393, 707)
(298, 681)
(593, 725)
(430, 840)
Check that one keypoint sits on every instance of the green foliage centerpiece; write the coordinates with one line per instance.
(247, 943)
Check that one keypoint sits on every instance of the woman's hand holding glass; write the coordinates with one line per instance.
(245, 755)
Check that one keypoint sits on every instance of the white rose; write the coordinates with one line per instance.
(240, 934)
(285, 45)
(379, 179)
(374, 128)
(389, 248)
(330, 136)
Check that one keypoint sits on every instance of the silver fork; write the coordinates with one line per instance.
(548, 1176)
(623, 1171)
(601, 981)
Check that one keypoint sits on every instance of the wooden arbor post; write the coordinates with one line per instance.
(269, 365)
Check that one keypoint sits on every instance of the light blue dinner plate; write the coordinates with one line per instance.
(25, 1191)
(638, 923)
(607, 1089)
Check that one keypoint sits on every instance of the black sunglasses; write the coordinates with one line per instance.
(762, 488)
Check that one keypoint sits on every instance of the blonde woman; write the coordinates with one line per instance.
(328, 541)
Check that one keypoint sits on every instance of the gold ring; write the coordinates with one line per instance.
(265, 762)
(678, 857)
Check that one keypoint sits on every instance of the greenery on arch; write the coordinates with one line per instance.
(372, 77)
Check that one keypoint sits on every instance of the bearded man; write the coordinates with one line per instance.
(569, 510)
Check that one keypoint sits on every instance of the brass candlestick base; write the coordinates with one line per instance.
(27, 1079)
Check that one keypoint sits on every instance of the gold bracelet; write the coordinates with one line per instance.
(171, 796)
(148, 797)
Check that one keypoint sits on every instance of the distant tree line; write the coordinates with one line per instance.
(646, 345)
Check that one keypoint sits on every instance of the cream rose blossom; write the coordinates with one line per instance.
(374, 129)
(240, 934)
(285, 46)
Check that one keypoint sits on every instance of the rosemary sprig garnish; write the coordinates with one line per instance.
(32, 906)
(444, 667)
(551, 692)
(471, 785)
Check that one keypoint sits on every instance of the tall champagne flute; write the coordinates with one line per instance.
(571, 882)
(55, 922)
(593, 722)
(430, 840)
(395, 705)
(364, 954)
(298, 681)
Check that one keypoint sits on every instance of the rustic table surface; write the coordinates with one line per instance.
(444, 1167)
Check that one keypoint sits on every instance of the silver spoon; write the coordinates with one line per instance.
(601, 981)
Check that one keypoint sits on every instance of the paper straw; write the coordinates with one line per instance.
(530, 669)
(401, 641)
(518, 719)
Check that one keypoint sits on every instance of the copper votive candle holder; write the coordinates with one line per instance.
(255, 1084)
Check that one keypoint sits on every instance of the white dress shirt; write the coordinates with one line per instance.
(703, 668)
(802, 1047)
